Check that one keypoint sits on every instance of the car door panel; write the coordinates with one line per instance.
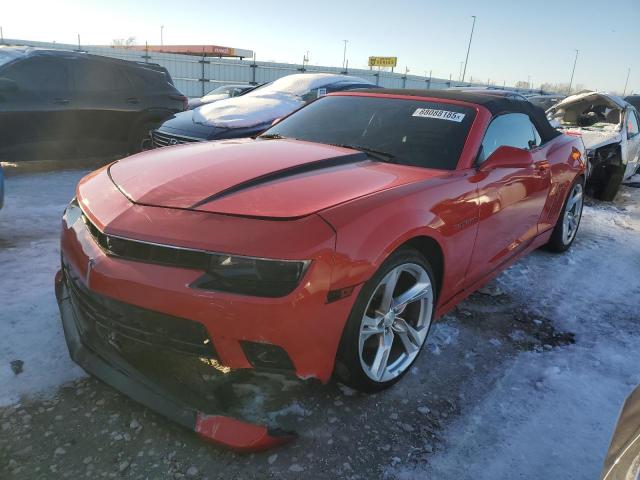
(39, 115)
(511, 202)
(631, 130)
(106, 101)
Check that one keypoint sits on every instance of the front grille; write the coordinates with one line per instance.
(161, 139)
(147, 252)
(121, 324)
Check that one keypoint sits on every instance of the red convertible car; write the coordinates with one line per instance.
(325, 246)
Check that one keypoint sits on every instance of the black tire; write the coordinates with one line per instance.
(557, 243)
(348, 368)
(139, 136)
(608, 188)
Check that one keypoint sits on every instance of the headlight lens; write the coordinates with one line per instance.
(252, 276)
(72, 213)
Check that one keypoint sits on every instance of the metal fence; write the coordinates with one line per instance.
(195, 75)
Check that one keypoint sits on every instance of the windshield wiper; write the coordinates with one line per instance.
(378, 154)
(271, 136)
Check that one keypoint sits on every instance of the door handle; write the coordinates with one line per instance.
(61, 101)
(133, 100)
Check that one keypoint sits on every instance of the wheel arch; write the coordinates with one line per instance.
(432, 251)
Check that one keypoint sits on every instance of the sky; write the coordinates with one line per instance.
(513, 41)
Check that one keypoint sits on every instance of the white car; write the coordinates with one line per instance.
(220, 93)
(609, 127)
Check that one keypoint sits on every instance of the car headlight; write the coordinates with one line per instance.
(259, 277)
(72, 213)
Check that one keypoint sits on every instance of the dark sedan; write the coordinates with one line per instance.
(253, 112)
(56, 103)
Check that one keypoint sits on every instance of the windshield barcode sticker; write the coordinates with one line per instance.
(441, 114)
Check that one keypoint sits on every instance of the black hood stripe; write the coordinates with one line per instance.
(284, 173)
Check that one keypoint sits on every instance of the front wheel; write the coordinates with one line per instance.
(564, 233)
(388, 324)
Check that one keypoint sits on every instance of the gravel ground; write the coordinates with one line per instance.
(86, 429)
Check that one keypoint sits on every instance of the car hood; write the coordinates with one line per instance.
(247, 110)
(257, 178)
(593, 139)
(183, 124)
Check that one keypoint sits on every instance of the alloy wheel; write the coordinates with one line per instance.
(572, 214)
(396, 322)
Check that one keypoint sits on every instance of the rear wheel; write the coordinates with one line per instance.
(388, 324)
(564, 233)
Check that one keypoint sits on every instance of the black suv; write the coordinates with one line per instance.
(56, 103)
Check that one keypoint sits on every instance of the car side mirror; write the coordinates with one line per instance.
(507, 157)
(7, 85)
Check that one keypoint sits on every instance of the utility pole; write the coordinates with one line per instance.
(344, 54)
(1, 36)
(460, 74)
(161, 35)
(572, 72)
(464, 72)
(627, 82)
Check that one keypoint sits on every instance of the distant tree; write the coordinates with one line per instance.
(522, 84)
(123, 42)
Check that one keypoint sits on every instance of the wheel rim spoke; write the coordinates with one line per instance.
(390, 282)
(415, 293)
(379, 364)
(371, 326)
(409, 336)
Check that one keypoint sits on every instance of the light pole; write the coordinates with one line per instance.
(161, 35)
(344, 54)
(460, 74)
(572, 72)
(626, 82)
(464, 72)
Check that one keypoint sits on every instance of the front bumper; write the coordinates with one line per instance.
(112, 368)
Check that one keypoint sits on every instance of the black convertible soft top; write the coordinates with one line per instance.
(495, 104)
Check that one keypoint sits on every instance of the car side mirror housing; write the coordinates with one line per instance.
(507, 157)
(7, 85)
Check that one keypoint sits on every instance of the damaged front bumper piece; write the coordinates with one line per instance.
(105, 362)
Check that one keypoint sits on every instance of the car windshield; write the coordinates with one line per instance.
(220, 90)
(407, 131)
(7, 55)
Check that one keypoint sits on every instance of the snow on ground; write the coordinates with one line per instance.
(30, 329)
(552, 413)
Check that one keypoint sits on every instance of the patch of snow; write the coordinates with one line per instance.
(551, 414)
(30, 328)
(441, 335)
(293, 409)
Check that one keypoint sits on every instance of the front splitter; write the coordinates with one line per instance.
(108, 366)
